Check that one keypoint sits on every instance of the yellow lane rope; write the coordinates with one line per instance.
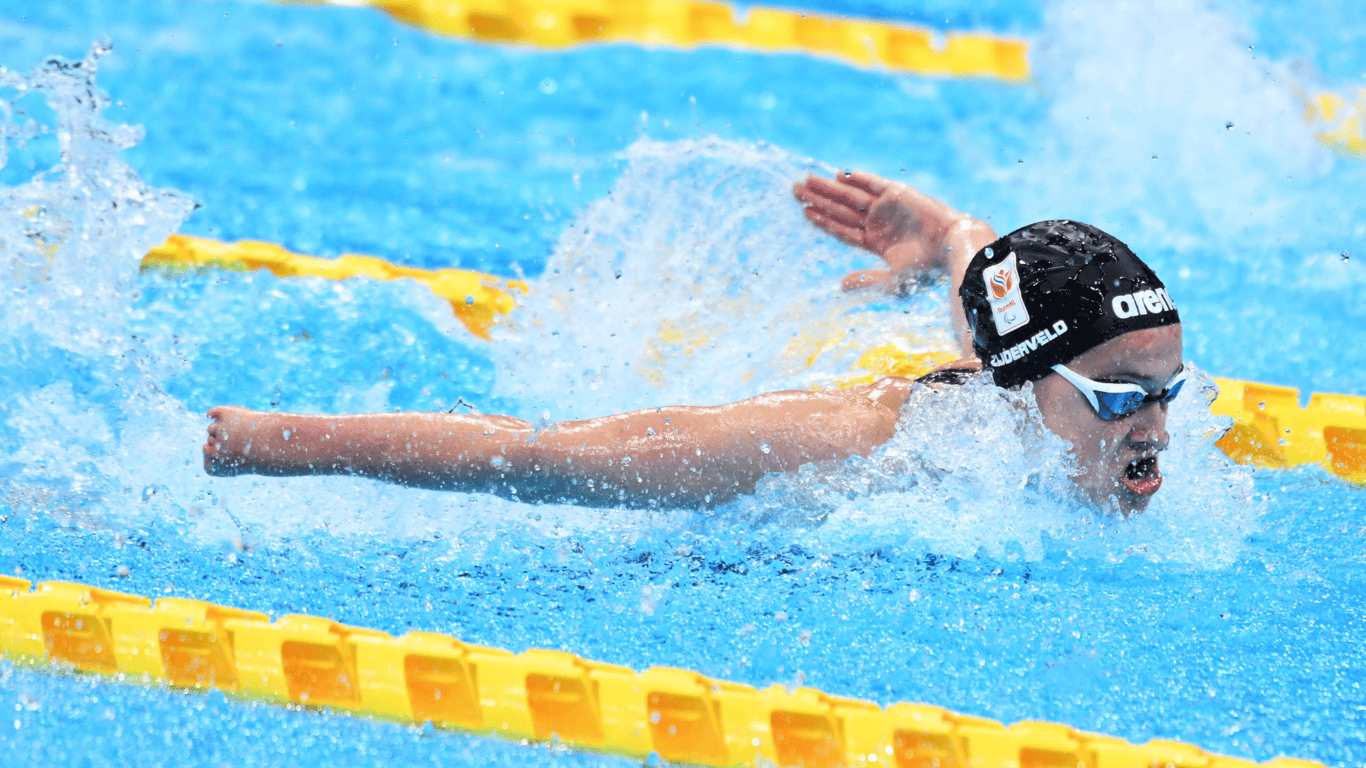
(679, 715)
(692, 23)
(1337, 121)
(477, 299)
(1270, 428)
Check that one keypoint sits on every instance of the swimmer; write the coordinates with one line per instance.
(1058, 304)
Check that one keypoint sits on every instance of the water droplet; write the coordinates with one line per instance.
(765, 448)
(469, 300)
(1345, 256)
(1154, 157)
(1229, 125)
(497, 462)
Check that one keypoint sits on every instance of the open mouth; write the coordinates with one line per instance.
(1142, 477)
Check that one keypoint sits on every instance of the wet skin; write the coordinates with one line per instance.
(1105, 450)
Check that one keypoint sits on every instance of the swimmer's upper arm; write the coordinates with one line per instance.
(707, 454)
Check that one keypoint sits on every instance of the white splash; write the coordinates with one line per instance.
(71, 239)
(696, 281)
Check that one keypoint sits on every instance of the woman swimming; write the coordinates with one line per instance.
(1060, 304)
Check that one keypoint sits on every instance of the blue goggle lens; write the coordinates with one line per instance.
(1117, 405)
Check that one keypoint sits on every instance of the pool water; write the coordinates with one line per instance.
(644, 195)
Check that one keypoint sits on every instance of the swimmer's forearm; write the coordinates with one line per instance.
(963, 240)
(425, 449)
(662, 455)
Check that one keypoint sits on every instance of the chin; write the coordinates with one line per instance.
(1132, 505)
(1115, 498)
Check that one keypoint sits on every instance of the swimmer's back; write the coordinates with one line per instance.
(952, 374)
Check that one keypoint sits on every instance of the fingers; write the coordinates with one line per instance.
(871, 183)
(835, 195)
(851, 234)
(865, 278)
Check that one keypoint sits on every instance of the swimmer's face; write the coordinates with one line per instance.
(1115, 458)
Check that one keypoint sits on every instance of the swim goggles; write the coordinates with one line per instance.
(1116, 401)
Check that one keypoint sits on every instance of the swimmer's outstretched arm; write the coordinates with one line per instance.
(912, 232)
(674, 456)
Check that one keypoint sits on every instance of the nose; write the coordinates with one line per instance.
(1148, 428)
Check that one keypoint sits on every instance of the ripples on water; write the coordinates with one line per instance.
(948, 567)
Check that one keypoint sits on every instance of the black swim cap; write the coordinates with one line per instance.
(1050, 291)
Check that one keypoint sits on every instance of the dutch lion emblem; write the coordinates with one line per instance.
(1001, 283)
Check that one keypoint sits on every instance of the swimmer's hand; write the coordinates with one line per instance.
(233, 434)
(914, 233)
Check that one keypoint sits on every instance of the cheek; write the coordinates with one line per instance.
(1066, 414)
(1069, 416)
(1095, 442)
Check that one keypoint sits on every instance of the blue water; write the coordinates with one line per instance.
(630, 187)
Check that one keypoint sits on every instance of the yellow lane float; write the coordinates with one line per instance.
(693, 23)
(542, 695)
(1270, 429)
(477, 299)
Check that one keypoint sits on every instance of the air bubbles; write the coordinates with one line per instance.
(1345, 256)
(549, 86)
(1229, 125)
